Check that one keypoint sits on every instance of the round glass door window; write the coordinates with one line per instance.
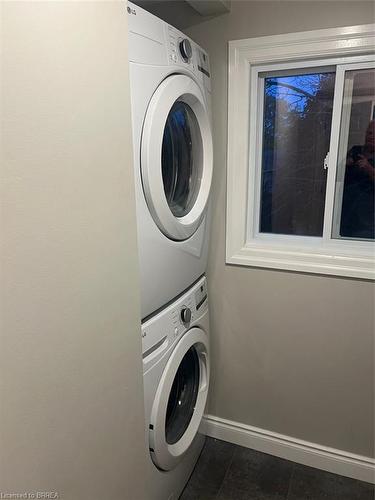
(183, 397)
(182, 152)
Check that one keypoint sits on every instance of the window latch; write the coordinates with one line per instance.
(325, 162)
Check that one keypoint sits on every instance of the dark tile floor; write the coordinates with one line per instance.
(228, 472)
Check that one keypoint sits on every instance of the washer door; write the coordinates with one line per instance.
(180, 400)
(176, 157)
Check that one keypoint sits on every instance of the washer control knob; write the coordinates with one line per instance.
(185, 315)
(185, 49)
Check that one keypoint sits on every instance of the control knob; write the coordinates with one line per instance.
(185, 49)
(185, 315)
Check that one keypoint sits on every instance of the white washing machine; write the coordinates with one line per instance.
(170, 99)
(176, 370)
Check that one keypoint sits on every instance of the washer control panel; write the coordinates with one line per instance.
(201, 296)
(160, 331)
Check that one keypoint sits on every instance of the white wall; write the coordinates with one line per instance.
(292, 353)
(71, 404)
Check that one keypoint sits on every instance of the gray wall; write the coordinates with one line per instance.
(292, 353)
(71, 403)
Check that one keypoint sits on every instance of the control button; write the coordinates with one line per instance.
(185, 315)
(174, 57)
(186, 50)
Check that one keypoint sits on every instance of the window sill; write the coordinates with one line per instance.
(317, 261)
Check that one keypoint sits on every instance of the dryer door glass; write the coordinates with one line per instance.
(176, 157)
(183, 397)
(181, 159)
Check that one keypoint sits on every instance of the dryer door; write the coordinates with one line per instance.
(180, 400)
(176, 157)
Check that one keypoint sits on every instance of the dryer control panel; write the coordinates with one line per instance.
(184, 52)
(164, 328)
(155, 42)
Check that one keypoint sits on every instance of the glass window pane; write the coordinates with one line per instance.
(354, 197)
(296, 135)
(181, 159)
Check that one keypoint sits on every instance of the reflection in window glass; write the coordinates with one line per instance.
(354, 200)
(296, 137)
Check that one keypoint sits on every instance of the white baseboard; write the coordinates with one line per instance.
(296, 450)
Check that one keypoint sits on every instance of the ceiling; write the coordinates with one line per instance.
(185, 13)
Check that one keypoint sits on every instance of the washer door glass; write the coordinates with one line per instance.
(180, 399)
(181, 159)
(183, 397)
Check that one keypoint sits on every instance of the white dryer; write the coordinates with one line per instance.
(170, 99)
(176, 373)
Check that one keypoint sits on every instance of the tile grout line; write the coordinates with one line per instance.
(226, 473)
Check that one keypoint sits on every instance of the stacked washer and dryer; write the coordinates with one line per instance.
(170, 97)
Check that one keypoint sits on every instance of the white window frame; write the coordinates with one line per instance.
(247, 58)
